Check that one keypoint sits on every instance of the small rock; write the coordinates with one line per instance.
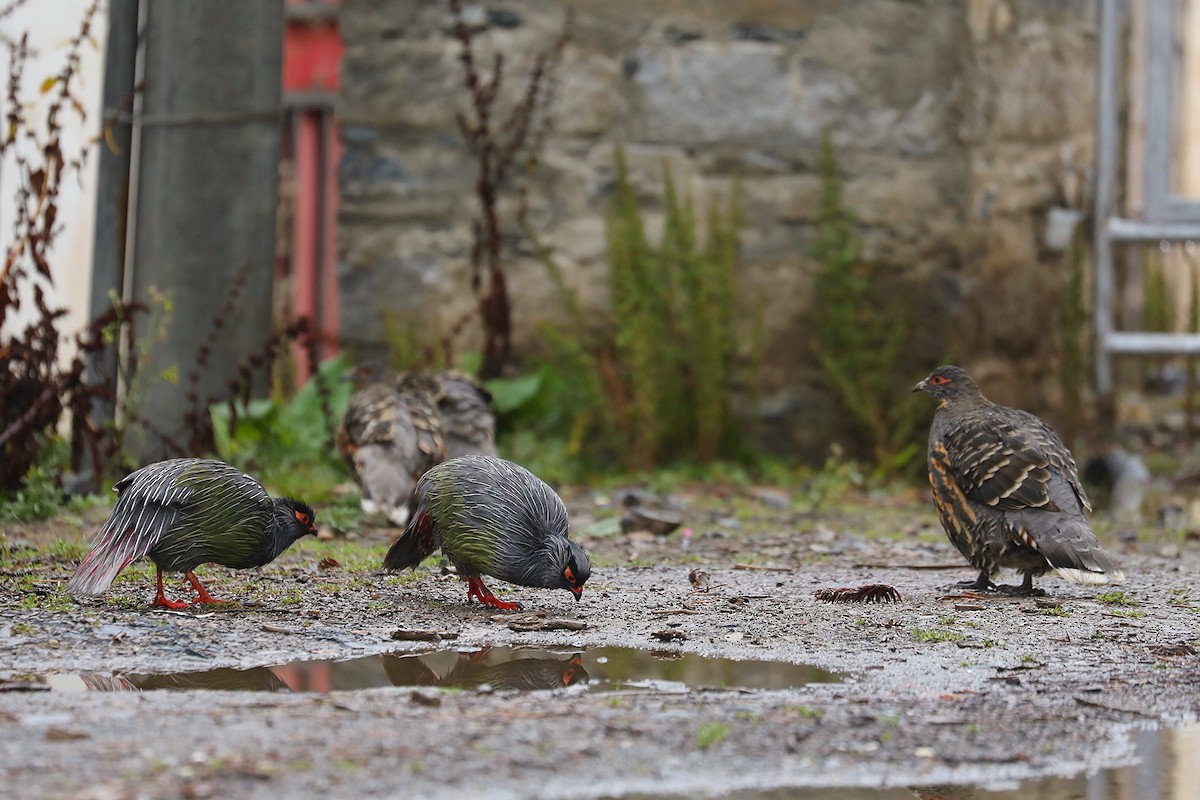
(824, 534)
(22, 686)
(421, 635)
(1173, 650)
(64, 735)
(659, 522)
(503, 18)
(548, 625)
(771, 497)
(669, 636)
(633, 497)
(423, 699)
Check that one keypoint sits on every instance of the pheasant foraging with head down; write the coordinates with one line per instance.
(1006, 489)
(492, 517)
(390, 435)
(186, 512)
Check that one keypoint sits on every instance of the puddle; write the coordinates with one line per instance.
(1167, 768)
(502, 668)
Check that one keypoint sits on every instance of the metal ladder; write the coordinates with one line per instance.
(1165, 217)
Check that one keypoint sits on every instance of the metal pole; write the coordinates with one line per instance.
(1106, 155)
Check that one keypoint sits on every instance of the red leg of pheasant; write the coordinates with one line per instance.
(160, 599)
(204, 596)
(476, 588)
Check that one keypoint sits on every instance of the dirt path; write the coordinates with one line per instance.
(940, 688)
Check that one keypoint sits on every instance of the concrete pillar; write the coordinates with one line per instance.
(207, 183)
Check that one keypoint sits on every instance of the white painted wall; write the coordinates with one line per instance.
(51, 26)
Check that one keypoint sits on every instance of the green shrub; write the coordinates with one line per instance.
(286, 443)
(1074, 338)
(861, 336)
(650, 381)
(41, 495)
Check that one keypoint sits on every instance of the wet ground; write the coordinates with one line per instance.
(994, 695)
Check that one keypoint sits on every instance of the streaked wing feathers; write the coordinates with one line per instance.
(1006, 461)
(163, 509)
(148, 504)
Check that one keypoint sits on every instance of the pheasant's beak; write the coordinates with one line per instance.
(922, 386)
(578, 592)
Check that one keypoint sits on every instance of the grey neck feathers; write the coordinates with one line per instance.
(283, 530)
(544, 566)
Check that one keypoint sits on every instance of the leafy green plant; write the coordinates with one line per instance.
(42, 496)
(834, 481)
(286, 443)
(861, 337)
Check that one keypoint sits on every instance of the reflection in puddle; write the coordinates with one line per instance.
(1168, 765)
(501, 668)
(259, 679)
(520, 671)
(1167, 768)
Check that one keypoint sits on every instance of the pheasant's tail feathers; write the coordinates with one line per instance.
(386, 483)
(102, 565)
(416, 544)
(398, 516)
(1074, 553)
(1091, 578)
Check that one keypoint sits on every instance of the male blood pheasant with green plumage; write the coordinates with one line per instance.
(1006, 489)
(492, 517)
(186, 512)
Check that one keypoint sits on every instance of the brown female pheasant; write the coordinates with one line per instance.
(388, 438)
(1006, 489)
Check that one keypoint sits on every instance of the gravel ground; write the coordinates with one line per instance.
(942, 687)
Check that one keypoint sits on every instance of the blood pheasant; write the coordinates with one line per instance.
(466, 411)
(389, 436)
(492, 517)
(186, 512)
(1006, 489)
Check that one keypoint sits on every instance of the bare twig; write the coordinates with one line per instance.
(498, 146)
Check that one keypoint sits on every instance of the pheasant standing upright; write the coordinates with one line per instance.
(1006, 489)
(389, 436)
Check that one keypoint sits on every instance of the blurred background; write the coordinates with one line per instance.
(662, 233)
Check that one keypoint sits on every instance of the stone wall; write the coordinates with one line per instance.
(957, 126)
